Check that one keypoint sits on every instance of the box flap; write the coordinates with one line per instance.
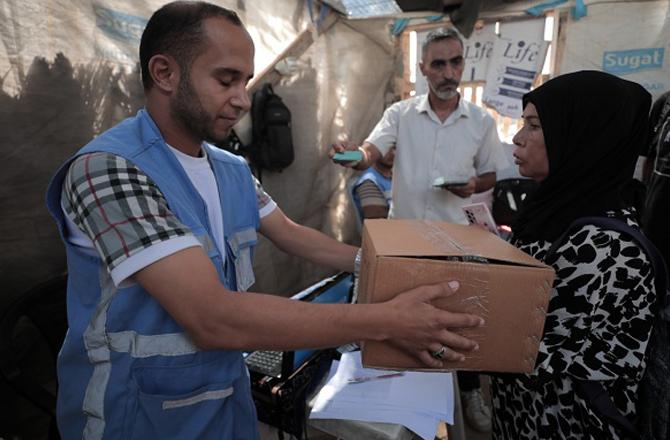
(424, 238)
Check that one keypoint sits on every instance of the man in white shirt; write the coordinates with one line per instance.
(438, 135)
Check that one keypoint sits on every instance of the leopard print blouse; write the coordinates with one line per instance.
(597, 328)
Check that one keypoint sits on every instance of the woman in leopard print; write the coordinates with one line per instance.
(580, 140)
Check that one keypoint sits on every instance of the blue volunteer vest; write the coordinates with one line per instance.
(126, 369)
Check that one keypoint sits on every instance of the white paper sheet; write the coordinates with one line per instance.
(416, 400)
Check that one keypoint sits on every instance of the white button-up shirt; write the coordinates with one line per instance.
(466, 144)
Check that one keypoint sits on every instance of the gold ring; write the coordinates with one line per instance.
(439, 354)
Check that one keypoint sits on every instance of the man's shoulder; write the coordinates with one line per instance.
(99, 163)
(221, 155)
(411, 103)
(478, 116)
(122, 139)
(474, 111)
(101, 168)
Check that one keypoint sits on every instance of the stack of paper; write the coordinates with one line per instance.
(416, 400)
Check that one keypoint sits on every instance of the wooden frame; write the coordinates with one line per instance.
(294, 50)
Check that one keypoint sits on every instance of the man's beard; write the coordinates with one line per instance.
(186, 108)
(444, 95)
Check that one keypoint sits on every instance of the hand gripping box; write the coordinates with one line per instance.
(504, 285)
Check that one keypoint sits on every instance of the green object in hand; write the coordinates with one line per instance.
(348, 156)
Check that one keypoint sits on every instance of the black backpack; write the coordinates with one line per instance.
(653, 405)
(271, 143)
(233, 144)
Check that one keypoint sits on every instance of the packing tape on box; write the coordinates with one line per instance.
(439, 237)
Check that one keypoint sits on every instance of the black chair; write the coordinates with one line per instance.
(509, 196)
(32, 330)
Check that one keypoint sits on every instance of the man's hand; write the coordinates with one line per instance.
(464, 191)
(342, 147)
(370, 153)
(424, 329)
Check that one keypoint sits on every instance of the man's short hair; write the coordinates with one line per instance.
(439, 35)
(176, 29)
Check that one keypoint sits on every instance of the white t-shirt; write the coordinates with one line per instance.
(466, 144)
(201, 175)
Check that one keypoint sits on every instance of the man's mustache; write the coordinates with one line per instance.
(448, 82)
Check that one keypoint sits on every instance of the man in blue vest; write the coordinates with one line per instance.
(159, 228)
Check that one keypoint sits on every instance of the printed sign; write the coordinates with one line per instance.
(477, 52)
(628, 39)
(622, 62)
(514, 65)
(118, 25)
(118, 34)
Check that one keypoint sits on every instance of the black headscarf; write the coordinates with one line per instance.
(594, 126)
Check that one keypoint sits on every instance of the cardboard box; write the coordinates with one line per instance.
(504, 285)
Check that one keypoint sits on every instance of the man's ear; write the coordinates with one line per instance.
(164, 72)
(421, 68)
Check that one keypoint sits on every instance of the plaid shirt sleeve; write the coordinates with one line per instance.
(118, 207)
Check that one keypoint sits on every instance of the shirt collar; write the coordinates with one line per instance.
(462, 110)
(185, 158)
(423, 105)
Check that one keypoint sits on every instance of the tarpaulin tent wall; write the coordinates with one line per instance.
(69, 71)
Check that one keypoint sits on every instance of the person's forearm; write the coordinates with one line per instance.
(370, 155)
(187, 286)
(317, 247)
(307, 243)
(259, 321)
(216, 318)
(253, 321)
(485, 182)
